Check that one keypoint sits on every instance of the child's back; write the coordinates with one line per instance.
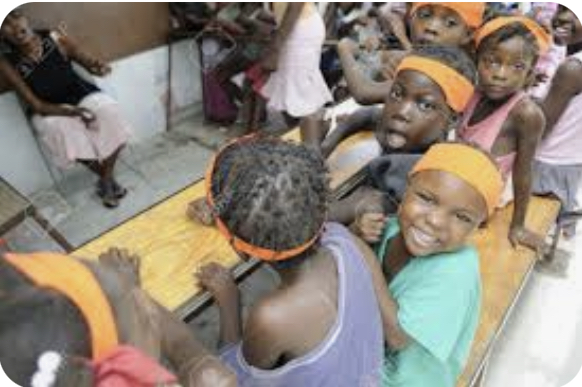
(321, 327)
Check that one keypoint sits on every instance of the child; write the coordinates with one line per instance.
(74, 119)
(426, 275)
(434, 24)
(501, 118)
(557, 167)
(269, 198)
(425, 102)
(69, 322)
(296, 86)
(431, 127)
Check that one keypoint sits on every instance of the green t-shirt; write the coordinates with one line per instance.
(439, 300)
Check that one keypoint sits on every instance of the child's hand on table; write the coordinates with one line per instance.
(219, 281)
(199, 211)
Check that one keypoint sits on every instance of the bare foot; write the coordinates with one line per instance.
(125, 265)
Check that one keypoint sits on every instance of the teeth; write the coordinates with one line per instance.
(424, 238)
(396, 140)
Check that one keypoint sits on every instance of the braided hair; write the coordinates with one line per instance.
(271, 193)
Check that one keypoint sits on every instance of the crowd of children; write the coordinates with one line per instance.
(381, 288)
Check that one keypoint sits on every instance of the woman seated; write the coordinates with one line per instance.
(75, 120)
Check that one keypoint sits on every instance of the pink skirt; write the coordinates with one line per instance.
(67, 139)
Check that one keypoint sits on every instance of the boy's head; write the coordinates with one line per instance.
(428, 94)
(452, 190)
(269, 196)
(16, 29)
(507, 52)
(448, 24)
(567, 28)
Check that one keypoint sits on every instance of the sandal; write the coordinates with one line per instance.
(106, 191)
(119, 192)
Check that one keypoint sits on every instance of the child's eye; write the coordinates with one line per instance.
(519, 66)
(425, 197)
(396, 93)
(423, 13)
(464, 218)
(426, 106)
(451, 22)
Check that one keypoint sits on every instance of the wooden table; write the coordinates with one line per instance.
(504, 272)
(172, 247)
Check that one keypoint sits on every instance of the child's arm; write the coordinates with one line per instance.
(395, 23)
(529, 124)
(394, 334)
(347, 210)
(363, 119)
(194, 364)
(364, 90)
(566, 84)
(219, 282)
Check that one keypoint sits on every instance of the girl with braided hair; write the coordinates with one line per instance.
(269, 198)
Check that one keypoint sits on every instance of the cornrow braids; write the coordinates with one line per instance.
(271, 193)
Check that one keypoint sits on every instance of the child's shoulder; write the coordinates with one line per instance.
(527, 115)
(569, 73)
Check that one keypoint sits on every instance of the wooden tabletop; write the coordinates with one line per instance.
(504, 271)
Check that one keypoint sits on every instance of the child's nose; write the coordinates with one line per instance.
(436, 219)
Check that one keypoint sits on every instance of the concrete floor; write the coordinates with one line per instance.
(541, 345)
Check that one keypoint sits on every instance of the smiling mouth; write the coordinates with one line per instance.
(424, 239)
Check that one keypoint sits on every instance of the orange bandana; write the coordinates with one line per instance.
(542, 37)
(74, 280)
(467, 163)
(471, 13)
(237, 243)
(457, 89)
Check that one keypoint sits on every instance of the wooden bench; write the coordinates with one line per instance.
(172, 247)
(504, 272)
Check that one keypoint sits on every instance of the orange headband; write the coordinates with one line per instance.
(236, 242)
(75, 281)
(457, 89)
(471, 13)
(467, 163)
(542, 37)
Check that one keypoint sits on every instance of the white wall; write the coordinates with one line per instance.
(138, 82)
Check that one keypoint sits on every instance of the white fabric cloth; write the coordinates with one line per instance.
(298, 87)
(68, 139)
